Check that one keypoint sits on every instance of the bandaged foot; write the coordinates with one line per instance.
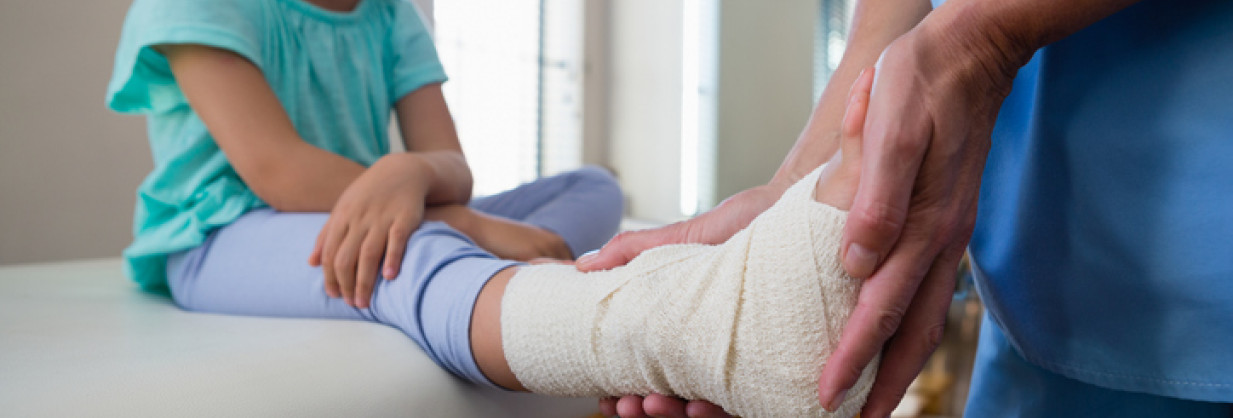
(747, 324)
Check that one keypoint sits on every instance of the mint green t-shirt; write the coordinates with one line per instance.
(337, 75)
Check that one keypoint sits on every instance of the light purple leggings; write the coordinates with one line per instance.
(258, 265)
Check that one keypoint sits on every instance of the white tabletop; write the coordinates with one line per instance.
(78, 338)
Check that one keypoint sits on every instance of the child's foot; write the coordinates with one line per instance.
(746, 324)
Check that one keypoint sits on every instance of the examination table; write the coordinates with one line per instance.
(78, 339)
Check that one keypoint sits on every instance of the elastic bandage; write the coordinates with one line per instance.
(747, 324)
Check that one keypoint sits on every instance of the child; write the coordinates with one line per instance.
(284, 102)
(268, 121)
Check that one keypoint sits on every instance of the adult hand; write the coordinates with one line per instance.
(933, 106)
(373, 218)
(712, 227)
(658, 406)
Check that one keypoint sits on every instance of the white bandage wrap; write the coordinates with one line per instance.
(747, 324)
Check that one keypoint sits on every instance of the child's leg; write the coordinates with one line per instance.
(258, 266)
(583, 206)
(747, 324)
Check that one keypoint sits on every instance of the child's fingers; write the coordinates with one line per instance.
(371, 250)
(314, 258)
(345, 262)
(549, 260)
(333, 233)
(396, 248)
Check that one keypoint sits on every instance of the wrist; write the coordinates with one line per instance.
(410, 170)
(810, 152)
(978, 43)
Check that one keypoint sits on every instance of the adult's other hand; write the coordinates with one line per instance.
(934, 103)
(712, 227)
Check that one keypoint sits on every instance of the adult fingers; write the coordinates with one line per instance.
(881, 305)
(607, 406)
(396, 249)
(841, 175)
(704, 409)
(895, 136)
(657, 405)
(693, 409)
(917, 338)
(630, 406)
(858, 108)
(627, 245)
(345, 262)
(371, 250)
(333, 233)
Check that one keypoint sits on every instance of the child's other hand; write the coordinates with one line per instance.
(514, 240)
(372, 219)
(504, 238)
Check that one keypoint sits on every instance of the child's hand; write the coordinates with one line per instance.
(372, 219)
(504, 238)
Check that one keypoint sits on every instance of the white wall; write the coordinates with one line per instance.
(68, 166)
(765, 81)
(644, 104)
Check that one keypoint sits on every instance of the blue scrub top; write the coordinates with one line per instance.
(1104, 239)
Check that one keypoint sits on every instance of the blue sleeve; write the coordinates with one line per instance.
(415, 62)
(141, 81)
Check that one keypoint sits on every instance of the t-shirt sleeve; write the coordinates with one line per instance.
(415, 61)
(141, 81)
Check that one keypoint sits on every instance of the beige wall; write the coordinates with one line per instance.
(764, 84)
(765, 88)
(68, 166)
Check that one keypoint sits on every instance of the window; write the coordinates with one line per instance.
(515, 86)
(830, 39)
(699, 64)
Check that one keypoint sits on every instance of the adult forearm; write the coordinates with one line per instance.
(875, 23)
(996, 37)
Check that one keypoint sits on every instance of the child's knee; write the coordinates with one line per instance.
(597, 176)
(602, 188)
(433, 245)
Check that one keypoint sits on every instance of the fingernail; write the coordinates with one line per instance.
(837, 400)
(860, 261)
(587, 257)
